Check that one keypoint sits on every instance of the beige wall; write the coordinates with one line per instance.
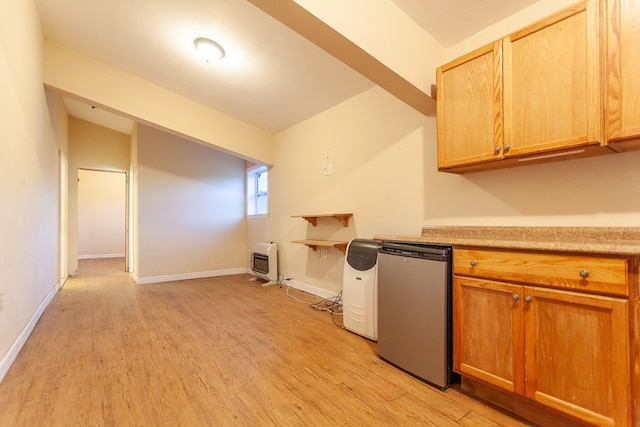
(191, 206)
(132, 234)
(59, 121)
(385, 159)
(29, 190)
(101, 214)
(384, 155)
(377, 146)
(91, 147)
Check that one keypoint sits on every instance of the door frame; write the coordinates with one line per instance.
(127, 213)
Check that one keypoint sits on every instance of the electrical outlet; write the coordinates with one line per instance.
(325, 253)
(1, 301)
(330, 169)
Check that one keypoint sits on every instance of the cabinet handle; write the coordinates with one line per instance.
(584, 274)
(496, 149)
(527, 299)
(507, 148)
(473, 263)
(516, 297)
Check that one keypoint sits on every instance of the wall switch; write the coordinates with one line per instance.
(324, 170)
(1, 301)
(325, 253)
(330, 169)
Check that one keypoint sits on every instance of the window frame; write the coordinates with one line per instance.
(254, 193)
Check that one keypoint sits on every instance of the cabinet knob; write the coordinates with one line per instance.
(516, 297)
(584, 274)
(507, 147)
(496, 149)
(527, 299)
(473, 263)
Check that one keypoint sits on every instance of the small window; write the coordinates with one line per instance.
(257, 195)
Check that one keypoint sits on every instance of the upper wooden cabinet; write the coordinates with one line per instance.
(623, 84)
(552, 97)
(541, 91)
(470, 120)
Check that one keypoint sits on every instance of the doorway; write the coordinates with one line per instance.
(102, 214)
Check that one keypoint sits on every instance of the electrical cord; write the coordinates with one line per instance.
(331, 305)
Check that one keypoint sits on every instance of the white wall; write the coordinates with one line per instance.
(191, 209)
(101, 214)
(29, 190)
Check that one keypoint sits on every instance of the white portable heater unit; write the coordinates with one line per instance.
(264, 262)
(360, 288)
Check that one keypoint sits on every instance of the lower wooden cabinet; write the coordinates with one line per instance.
(566, 350)
(577, 354)
(488, 332)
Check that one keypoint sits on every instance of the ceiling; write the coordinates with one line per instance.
(451, 21)
(270, 77)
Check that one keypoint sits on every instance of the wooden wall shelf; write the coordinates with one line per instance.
(342, 218)
(314, 244)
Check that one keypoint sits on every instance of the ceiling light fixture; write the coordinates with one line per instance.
(208, 49)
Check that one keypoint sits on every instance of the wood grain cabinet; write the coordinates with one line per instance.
(534, 96)
(552, 98)
(564, 349)
(623, 69)
(469, 102)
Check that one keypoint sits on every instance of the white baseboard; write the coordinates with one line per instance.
(186, 276)
(319, 292)
(94, 256)
(17, 345)
(313, 290)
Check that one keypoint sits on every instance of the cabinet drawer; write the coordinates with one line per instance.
(600, 275)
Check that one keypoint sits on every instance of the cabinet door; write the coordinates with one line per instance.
(488, 340)
(469, 101)
(577, 354)
(552, 83)
(623, 84)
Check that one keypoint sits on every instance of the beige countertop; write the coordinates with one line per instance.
(600, 240)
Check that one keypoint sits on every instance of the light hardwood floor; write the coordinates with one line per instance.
(218, 351)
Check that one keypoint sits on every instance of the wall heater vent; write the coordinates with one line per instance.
(264, 262)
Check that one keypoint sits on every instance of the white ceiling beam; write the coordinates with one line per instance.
(351, 49)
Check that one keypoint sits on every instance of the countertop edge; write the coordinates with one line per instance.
(595, 240)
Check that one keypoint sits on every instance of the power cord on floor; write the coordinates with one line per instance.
(331, 305)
